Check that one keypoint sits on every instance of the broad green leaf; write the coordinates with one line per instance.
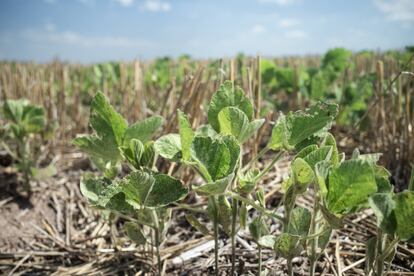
(321, 173)
(268, 241)
(350, 184)
(252, 128)
(258, 228)
(383, 185)
(233, 121)
(330, 141)
(287, 245)
(296, 127)
(306, 151)
(143, 130)
(383, 206)
(29, 118)
(228, 95)
(108, 124)
(166, 190)
(133, 152)
(92, 188)
(134, 232)
(247, 181)
(206, 130)
(302, 172)
(215, 157)
(299, 222)
(404, 213)
(118, 202)
(169, 146)
(217, 187)
(186, 135)
(197, 224)
(321, 154)
(137, 186)
(109, 127)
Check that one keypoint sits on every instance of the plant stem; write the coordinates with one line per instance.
(379, 261)
(257, 157)
(254, 204)
(235, 204)
(314, 241)
(290, 267)
(157, 239)
(260, 259)
(215, 222)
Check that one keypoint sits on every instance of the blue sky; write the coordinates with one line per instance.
(101, 30)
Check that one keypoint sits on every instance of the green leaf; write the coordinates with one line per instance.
(296, 127)
(228, 95)
(306, 151)
(108, 124)
(302, 172)
(383, 206)
(321, 154)
(321, 173)
(247, 181)
(143, 130)
(215, 157)
(109, 127)
(92, 188)
(29, 118)
(233, 121)
(258, 228)
(137, 186)
(197, 224)
(268, 241)
(287, 245)
(333, 220)
(224, 214)
(330, 141)
(166, 190)
(134, 232)
(350, 184)
(133, 152)
(404, 213)
(217, 187)
(169, 146)
(186, 135)
(299, 222)
(206, 130)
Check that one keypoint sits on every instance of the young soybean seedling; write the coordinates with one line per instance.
(215, 151)
(23, 122)
(143, 195)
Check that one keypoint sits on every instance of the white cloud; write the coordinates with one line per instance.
(288, 22)
(156, 6)
(50, 27)
(80, 40)
(125, 3)
(258, 29)
(296, 34)
(279, 2)
(397, 10)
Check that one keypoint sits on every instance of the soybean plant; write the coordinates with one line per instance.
(24, 124)
(143, 195)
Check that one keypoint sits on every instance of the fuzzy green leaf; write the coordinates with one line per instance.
(134, 233)
(217, 187)
(299, 222)
(287, 245)
(296, 127)
(404, 213)
(228, 95)
(302, 172)
(186, 135)
(383, 206)
(166, 190)
(143, 130)
(169, 146)
(350, 184)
